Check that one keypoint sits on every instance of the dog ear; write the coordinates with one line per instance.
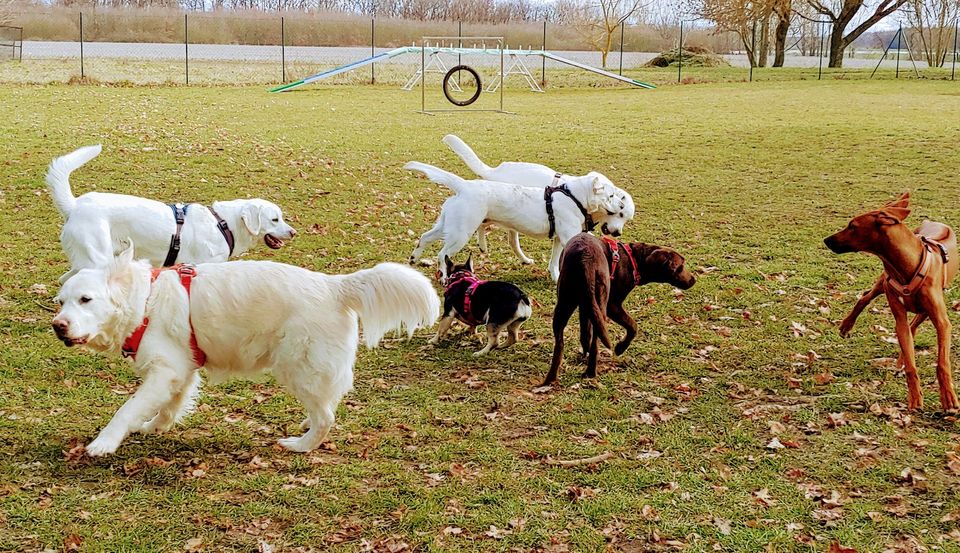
(892, 215)
(125, 257)
(448, 262)
(118, 273)
(902, 201)
(250, 215)
(470, 262)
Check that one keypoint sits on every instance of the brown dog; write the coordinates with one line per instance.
(596, 276)
(918, 265)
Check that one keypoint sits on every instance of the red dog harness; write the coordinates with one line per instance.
(614, 246)
(465, 276)
(132, 343)
(923, 269)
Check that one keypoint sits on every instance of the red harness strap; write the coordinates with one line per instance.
(132, 343)
(464, 276)
(923, 269)
(614, 246)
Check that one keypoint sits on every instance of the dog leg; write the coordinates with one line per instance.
(620, 316)
(445, 323)
(514, 238)
(591, 371)
(156, 391)
(427, 238)
(319, 400)
(914, 325)
(512, 333)
(905, 337)
(847, 325)
(493, 335)
(182, 403)
(554, 265)
(586, 333)
(451, 245)
(561, 316)
(482, 238)
(948, 396)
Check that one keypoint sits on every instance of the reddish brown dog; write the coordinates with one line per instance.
(596, 276)
(917, 265)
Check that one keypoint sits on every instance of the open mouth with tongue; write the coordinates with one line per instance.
(272, 241)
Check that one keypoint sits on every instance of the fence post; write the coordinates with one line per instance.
(622, 25)
(283, 51)
(543, 67)
(899, 42)
(186, 52)
(459, 45)
(81, 45)
(753, 46)
(680, 54)
(373, 74)
(21, 45)
(820, 69)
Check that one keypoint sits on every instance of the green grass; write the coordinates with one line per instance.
(744, 179)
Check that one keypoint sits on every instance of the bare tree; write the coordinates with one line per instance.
(741, 17)
(599, 21)
(843, 14)
(6, 11)
(931, 21)
(783, 11)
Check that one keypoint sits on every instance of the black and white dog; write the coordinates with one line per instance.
(476, 302)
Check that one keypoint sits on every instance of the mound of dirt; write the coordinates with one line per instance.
(693, 56)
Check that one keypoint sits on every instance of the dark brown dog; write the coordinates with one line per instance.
(596, 276)
(918, 265)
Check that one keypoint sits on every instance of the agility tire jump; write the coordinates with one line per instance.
(446, 85)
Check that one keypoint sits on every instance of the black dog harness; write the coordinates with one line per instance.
(588, 222)
(180, 215)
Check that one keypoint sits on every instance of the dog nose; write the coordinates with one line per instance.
(60, 327)
(293, 232)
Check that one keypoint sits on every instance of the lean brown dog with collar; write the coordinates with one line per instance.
(917, 265)
(596, 276)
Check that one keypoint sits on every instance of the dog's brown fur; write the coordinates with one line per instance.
(586, 283)
(882, 233)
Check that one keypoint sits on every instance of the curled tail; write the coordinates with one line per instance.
(468, 156)
(387, 297)
(58, 177)
(439, 176)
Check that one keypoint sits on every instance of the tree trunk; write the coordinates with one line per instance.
(837, 45)
(780, 38)
(764, 47)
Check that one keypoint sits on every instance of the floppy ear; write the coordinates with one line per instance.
(597, 186)
(119, 274)
(250, 215)
(449, 263)
(893, 215)
(470, 262)
(125, 257)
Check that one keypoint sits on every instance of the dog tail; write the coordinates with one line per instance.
(598, 317)
(467, 154)
(389, 296)
(438, 175)
(58, 176)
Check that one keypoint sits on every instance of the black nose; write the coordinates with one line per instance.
(60, 327)
(293, 232)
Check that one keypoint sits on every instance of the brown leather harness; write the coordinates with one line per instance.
(922, 271)
(588, 222)
(180, 215)
(132, 343)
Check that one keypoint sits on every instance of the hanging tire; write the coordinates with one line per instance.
(446, 85)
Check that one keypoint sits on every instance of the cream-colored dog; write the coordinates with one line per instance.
(247, 317)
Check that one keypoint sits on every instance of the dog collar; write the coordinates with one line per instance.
(588, 222)
(614, 246)
(923, 269)
(132, 343)
(224, 229)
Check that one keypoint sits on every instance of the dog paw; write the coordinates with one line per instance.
(102, 446)
(620, 348)
(298, 444)
(527, 261)
(480, 353)
(845, 329)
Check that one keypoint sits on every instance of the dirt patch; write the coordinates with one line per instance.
(693, 56)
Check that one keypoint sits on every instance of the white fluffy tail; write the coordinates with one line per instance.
(524, 311)
(58, 176)
(390, 296)
(468, 156)
(439, 176)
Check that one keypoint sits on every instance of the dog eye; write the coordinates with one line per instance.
(621, 215)
(275, 220)
(85, 299)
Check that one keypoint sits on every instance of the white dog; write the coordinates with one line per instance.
(96, 223)
(541, 176)
(246, 317)
(521, 208)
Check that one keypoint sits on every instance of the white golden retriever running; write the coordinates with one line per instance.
(541, 176)
(520, 208)
(247, 317)
(96, 223)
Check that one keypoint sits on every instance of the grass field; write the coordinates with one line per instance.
(738, 420)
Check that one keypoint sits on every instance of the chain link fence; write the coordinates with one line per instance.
(220, 48)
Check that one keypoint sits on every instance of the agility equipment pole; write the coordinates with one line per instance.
(344, 68)
(596, 70)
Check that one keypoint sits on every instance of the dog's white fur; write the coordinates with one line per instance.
(97, 223)
(520, 208)
(540, 176)
(249, 317)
